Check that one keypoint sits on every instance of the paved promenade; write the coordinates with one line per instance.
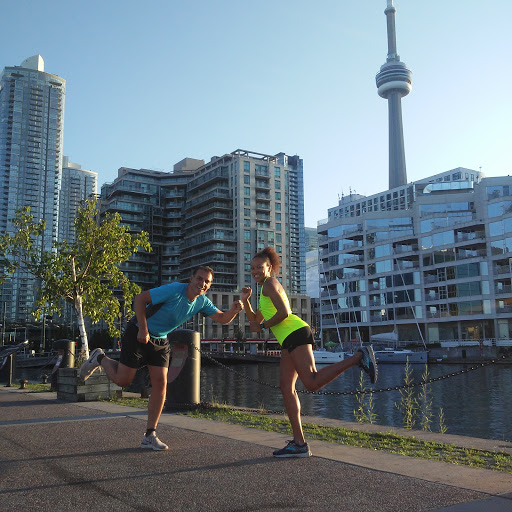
(59, 456)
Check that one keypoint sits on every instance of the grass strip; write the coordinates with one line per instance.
(382, 441)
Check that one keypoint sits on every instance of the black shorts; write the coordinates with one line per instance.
(302, 336)
(135, 355)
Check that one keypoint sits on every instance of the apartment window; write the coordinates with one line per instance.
(278, 226)
(278, 196)
(247, 201)
(247, 166)
(247, 223)
(277, 172)
(279, 249)
(278, 216)
(278, 206)
(278, 183)
(247, 234)
(247, 212)
(247, 180)
(247, 191)
(247, 246)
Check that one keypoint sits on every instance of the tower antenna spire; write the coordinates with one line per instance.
(394, 80)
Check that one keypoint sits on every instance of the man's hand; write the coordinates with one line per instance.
(143, 336)
(246, 293)
(237, 306)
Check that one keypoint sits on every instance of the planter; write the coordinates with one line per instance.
(71, 388)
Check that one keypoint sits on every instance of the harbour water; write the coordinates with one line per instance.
(476, 403)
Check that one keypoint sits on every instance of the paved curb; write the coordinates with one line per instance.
(475, 479)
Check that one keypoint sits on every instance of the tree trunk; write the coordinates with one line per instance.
(79, 313)
(81, 326)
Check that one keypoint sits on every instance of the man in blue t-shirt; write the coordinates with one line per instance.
(158, 312)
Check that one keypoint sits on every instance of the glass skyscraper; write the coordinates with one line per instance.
(31, 138)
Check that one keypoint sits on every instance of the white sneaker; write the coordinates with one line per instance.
(88, 368)
(152, 442)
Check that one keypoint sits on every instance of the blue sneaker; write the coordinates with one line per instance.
(368, 363)
(292, 449)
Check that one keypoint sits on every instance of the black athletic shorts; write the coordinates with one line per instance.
(135, 355)
(302, 336)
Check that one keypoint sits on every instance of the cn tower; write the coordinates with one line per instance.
(394, 80)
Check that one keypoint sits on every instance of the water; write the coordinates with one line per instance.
(474, 404)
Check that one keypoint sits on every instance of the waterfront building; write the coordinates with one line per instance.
(31, 138)
(429, 260)
(218, 213)
(77, 185)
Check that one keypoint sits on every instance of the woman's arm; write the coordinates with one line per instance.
(251, 315)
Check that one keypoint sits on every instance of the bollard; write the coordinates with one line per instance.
(66, 359)
(66, 351)
(23, 383)
(183, 380)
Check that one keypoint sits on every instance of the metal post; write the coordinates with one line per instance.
(11, 370)
(183, 382)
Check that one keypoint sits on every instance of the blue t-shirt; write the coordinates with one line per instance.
(176, 308)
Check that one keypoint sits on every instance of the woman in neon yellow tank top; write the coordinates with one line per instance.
(296, 339)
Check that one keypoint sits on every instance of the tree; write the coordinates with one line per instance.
(84, 273)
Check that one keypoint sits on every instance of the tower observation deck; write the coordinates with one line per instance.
(394, 80)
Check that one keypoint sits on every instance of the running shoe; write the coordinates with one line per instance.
(292, 449)
(368, 363)
(152, 442)
(90, 365)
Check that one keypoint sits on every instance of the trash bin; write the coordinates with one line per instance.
(184, 377)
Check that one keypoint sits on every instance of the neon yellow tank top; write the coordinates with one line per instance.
(290, 324)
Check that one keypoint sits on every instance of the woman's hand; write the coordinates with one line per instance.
(246, 293)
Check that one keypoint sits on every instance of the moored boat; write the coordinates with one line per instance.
(323, 356)
(390, 355)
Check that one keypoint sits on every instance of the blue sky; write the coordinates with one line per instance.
(150, 83)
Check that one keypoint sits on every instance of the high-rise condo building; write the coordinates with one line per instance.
(31, 137)
(77, 185)
(219, 214)
(150, 201)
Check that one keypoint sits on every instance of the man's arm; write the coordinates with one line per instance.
(225, 317)
(139, 305)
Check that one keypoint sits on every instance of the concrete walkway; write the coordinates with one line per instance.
(63, 456)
